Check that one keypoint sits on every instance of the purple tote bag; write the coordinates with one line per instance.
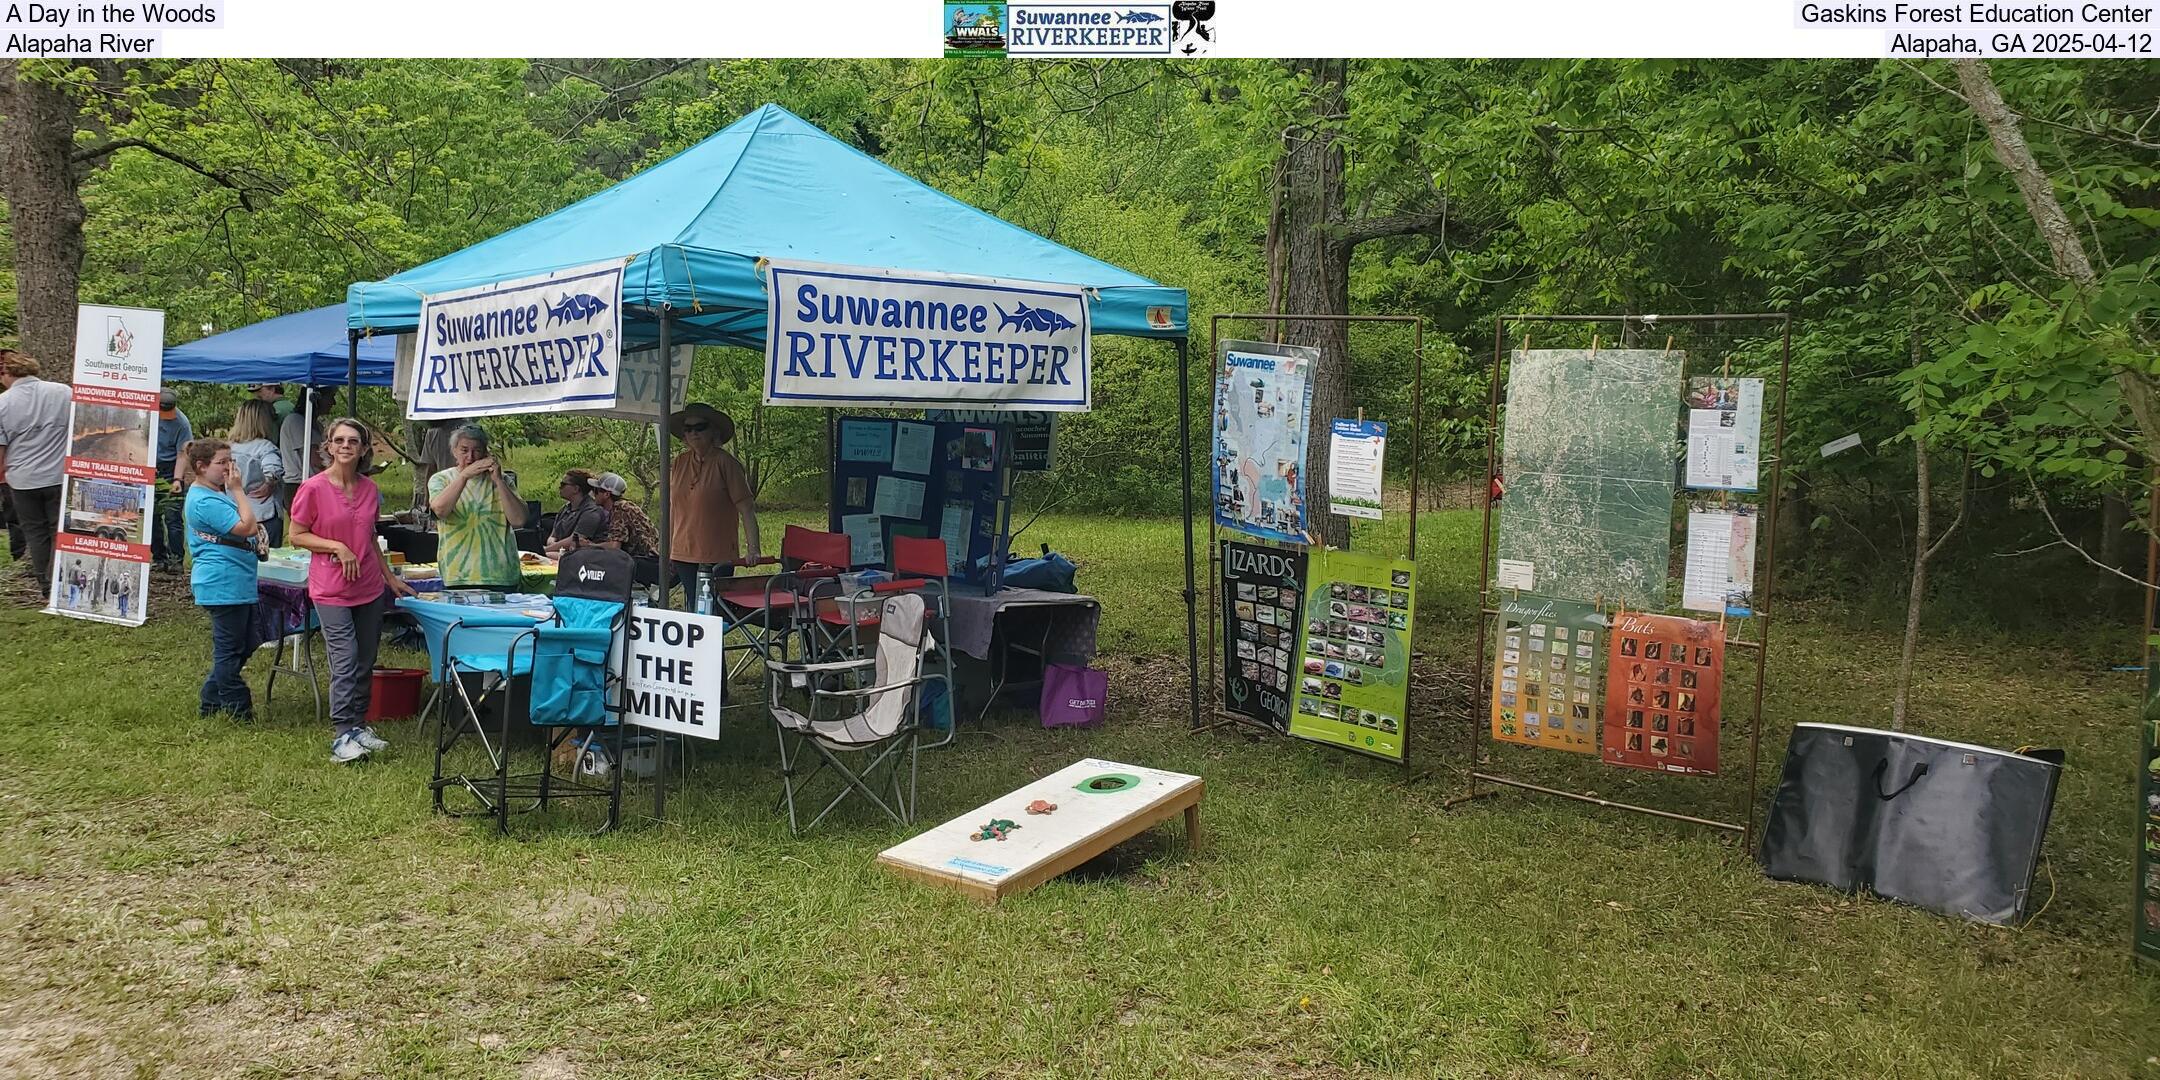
(1073, 695)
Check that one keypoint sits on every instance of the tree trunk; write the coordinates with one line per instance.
(45, 211)
(1915, 598)
(2113, 548)
(2055, 226)
(1317, 271)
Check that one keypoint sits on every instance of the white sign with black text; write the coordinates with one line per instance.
(676, 672)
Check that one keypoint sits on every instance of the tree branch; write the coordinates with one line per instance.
(1419, 224)
(2065, 541)
(95, 152)
(1964, 503)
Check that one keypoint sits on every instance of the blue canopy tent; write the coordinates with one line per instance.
(306, 347)
(695, 228)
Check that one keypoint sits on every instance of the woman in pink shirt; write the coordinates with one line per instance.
(333, 515)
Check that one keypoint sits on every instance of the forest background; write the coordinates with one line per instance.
(1999, 373)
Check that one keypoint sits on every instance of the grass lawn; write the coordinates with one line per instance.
(186, 897)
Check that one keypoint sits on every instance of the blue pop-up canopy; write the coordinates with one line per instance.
(307, 347)
(771, 186)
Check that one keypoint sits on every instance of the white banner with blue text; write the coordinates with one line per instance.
(551, 343)
(852, 335)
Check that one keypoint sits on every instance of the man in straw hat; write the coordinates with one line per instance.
(709, 499)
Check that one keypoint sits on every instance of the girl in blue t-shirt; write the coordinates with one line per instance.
(221, 535)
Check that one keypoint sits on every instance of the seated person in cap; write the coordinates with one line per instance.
(628, 529)
(476, 508)
(580, 517)
(709, 499)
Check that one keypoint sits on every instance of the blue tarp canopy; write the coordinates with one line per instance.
(306, 347)
(770, 186)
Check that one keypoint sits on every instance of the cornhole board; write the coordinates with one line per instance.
(1100, 804)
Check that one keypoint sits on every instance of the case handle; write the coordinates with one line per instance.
(1883, 767)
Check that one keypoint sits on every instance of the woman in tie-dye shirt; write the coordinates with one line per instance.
(476, 507)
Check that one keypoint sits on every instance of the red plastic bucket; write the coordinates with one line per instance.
(396, 693)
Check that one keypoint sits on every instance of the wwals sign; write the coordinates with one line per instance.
(846, 335)
(551, 343)
(676, 672)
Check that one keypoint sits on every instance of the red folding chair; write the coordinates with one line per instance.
(771, 609)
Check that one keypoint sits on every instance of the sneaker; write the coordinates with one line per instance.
(369, 739)
(347, 748)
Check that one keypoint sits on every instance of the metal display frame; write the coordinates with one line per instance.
(1766, 572)
(1216, 717)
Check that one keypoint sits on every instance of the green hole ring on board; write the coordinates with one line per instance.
(1108, 783)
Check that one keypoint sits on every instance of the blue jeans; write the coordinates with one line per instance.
(168, 530)
(231, 640)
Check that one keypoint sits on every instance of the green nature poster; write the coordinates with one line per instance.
(1354, 680)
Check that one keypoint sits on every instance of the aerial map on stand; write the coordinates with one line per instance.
(1590, 439)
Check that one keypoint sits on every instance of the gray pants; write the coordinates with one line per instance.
(351, 635)
(39, 511)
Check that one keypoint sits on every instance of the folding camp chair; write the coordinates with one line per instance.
(877, 723)
(773, 609)
(842, 622)
(561, 676)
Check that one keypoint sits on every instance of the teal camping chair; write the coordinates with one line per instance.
(562, 678)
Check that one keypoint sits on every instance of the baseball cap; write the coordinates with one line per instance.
(610, 483)
(167, 399)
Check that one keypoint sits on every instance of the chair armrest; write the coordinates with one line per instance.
(781, 667)
(869, 690)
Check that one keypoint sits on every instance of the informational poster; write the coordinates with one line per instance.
(861, 335)
(1720, 574)
(1033, 434)
(866, 538)
(1724, 433)
(953, 529)
(547, 343)
(898, 497)
(1356, 449)
(1663, 675)
(1261, 592)
(1262, 395)
(101, 555)
(912, 444)
(1588, 443)
(677, 672)
(865, 440)
(1545, 679)
(1354, 672)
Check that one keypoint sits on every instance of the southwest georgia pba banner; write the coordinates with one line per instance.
(548, 343)
(863, 336)
(101, 555)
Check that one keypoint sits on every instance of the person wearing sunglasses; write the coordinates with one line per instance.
(712, 513)
(334, 516)
(581, 521)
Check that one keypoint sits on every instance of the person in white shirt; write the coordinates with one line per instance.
(33, 451)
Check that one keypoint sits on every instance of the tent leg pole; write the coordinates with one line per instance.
(352, 377)
(1192, 611)
(667, 412)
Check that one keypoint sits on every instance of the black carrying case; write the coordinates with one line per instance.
(1950, 827)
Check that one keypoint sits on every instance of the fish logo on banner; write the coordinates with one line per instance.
(849, 335)
(548, 343)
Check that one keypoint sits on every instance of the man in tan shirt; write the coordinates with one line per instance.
(709, 499)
